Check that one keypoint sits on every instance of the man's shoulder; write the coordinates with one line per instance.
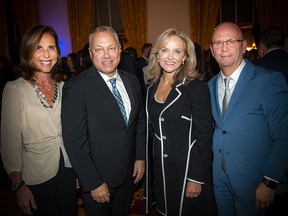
(212, 80)
(196, 82)
(141, 59)
(195, 86)
(128, 75)
(281, 52)
(263, 75)
(142, 62)
(81, 78)
(273, 56)
(275, 61)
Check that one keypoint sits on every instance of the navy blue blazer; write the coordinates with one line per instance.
(253, 133)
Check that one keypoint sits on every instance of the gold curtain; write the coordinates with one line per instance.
(81, 22)
(134, 19)
(203, 19)
(26, 13)
(273, 13)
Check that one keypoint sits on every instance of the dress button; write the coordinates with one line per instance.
(164, 137)
(165, 155)
(161, 119)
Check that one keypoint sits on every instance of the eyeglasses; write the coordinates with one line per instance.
(230, 42)
(100, 50)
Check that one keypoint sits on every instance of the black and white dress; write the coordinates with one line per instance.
(180, 150)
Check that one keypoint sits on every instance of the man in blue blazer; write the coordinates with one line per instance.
(250, 142)
(105, 145)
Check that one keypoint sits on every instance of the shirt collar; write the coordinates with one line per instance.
(235, 75)
(107, 78)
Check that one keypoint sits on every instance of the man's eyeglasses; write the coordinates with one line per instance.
(230, 42)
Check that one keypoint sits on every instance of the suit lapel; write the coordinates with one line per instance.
(246, 75)
(128, 87)
(173, 95)
(103, 91)
(215, 99)
(99, 84)
(219, 111)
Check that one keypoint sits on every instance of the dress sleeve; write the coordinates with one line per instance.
(11, 139)
(202, 132)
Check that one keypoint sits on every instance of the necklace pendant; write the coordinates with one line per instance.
(43, 99)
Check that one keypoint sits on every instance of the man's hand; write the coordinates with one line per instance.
(25, 200)
(77, 184)
(264, 196)
(101, 194)
(139, 169)
(193, 189)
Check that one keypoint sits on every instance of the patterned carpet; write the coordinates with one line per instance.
(8, 205)
(137, 205)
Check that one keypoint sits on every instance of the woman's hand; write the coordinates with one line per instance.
(25, 200)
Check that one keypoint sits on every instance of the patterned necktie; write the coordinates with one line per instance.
(118, 99)
(227, 95)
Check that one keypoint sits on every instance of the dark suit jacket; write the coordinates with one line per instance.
(276, 60)
(142, 62)
(127, 63)
(99, 144)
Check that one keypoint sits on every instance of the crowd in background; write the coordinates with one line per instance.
(76, 62)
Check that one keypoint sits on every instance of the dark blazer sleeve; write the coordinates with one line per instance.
(137, 115)
(141, 129)
(75, 134)
(202, 131)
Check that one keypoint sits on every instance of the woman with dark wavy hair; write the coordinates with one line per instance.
(32, 148)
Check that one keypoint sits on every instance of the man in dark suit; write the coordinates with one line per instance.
(105, 145)
(271, 53)
(250, 138)
(127, 63)
(141, 63)
(143, 60)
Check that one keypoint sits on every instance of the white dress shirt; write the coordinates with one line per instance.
(121, 88)
(234, 78)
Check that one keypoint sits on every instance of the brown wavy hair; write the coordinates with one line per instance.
(29, 43)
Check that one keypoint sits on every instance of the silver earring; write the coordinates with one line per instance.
(183, 62)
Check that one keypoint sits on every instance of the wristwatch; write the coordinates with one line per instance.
(269, 183)
(16, 186)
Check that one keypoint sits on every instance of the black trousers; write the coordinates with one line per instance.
(57, 196)
(279, 206)
(119, 205)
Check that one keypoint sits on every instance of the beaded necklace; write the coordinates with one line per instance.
(42, 97)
